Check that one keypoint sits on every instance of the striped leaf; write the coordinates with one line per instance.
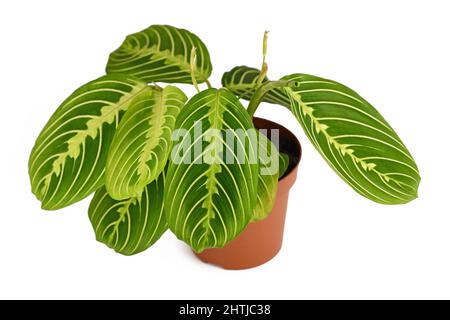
(161, 54)
(350, 134)
(354, 139)
(142, 144)
(209, 200)
(68, 160)
(267, 178)
(242, 82)
(129, 226)
(284, 164)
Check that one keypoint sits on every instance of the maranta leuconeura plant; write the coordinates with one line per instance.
(116, 136)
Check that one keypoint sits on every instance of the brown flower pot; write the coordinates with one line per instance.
(262, 240)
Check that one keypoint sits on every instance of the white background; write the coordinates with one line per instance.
(337, 244)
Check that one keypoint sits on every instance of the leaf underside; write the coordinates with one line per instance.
(161, 53)
(208, 201)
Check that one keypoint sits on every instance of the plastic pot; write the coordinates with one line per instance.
(262, 240)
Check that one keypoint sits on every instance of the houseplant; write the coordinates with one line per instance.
(156, 160)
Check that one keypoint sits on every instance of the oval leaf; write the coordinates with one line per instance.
(242, 82)
(67, 162)
(129, 226)
(396, 178)
(267, 178)
(209, 199)
(354, 139)
(142, 144)
(161, 54)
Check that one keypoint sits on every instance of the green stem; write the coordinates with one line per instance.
(266, 87)
(193, 63)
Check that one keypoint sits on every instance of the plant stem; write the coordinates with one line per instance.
(263, 89)
(193, 63)
(264, 67)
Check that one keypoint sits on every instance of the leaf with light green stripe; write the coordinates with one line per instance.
(348, 131)
(354, 139)
(284, 164)
(142, 143)
(68, 160)
(132, 225)
(267, 178)
(208, 201)
(161, 53)
(242, 82)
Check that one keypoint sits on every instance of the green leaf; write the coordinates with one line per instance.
(161, 54)
(242, 82)
(68, 160)
(132, 225)
(284, 164)
(142, 144)
(209, 200)
(354, 139)
(267, 178)
(348, 131)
